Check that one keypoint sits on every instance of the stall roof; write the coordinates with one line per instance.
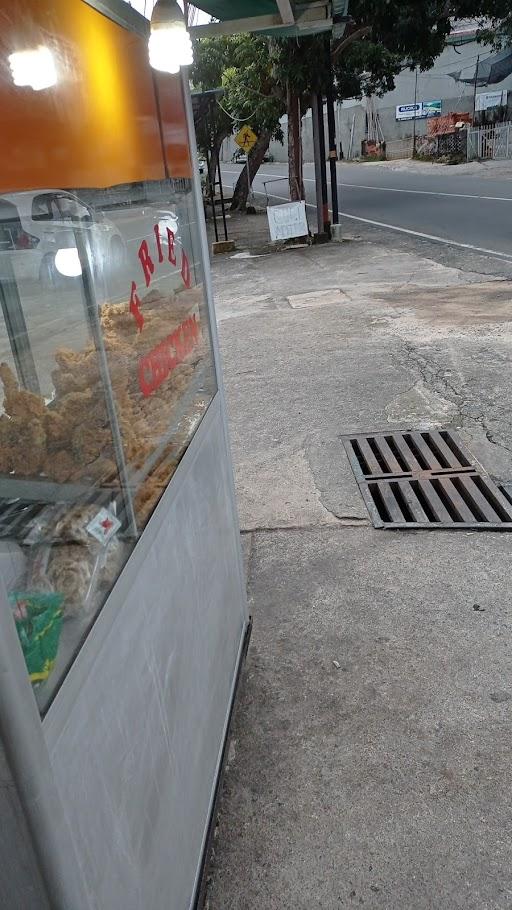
(279, 17)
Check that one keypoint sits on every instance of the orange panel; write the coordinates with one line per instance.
(174, 125)
(98, 126)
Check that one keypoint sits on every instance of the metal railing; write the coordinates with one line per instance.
(272, 180)
(488, 142)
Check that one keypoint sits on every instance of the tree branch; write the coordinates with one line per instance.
(354, 36)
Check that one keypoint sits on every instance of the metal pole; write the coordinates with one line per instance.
(222, 206)
(349, 156)
(212, 325)
(211, 195)
(21, 735)
(318, 163)
(332, 155)
(211, 189)
(323, 171)
(414, 112)
(90, 300)
(217, 168)
(16, 327)
(249, 188)
(474, 88)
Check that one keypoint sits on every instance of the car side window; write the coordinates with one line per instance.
(72, 210)
(10, 226)
(42, 208)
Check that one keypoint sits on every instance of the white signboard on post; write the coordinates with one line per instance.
(288, 220)
(418, 111)
(485, 100)
(408, 111)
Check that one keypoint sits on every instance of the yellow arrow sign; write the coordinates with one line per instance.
(245, 138)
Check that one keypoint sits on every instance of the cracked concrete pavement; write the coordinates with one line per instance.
(352, 338)
(370, 757)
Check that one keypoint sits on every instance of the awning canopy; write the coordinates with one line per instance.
(285, 18)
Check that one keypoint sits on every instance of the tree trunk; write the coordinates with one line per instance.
(294, 145)
(256, 156)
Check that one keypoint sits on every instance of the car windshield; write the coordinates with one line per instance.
(59, 207)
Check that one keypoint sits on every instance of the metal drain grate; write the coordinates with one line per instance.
(404, 454)
(426, 480)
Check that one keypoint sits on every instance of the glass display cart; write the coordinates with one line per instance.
(122, 603)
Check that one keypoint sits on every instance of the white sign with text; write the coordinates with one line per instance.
(484, 100)
(288, 220)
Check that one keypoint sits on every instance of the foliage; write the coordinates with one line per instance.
(384, 37)
(251, 93)
(240, 64)
(211, 56)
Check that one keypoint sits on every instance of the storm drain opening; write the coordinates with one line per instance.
(426, 479)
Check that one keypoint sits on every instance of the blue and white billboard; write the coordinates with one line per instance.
(419, 110)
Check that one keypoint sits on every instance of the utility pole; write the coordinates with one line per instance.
(322, 209)
(294, 143)
(321, 134)
(331, 134)
(331, 129)
(414, 119)
(474, 88)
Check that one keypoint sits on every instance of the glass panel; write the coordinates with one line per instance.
(106, 366)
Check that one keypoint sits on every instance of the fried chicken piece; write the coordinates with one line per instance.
(6, 461)
(65, 358)
(89, 442)
(77, 371)
(5, 431)
(84, 408)
(116, 318)
(18, 402)
(57, 430)
(72, 527)
(192, 296)
(27, 441)
(102, 470)
(69, 571)
(153, 487)
(59, 466)
(6, 453)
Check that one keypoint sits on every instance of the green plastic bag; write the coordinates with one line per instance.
(38, 619)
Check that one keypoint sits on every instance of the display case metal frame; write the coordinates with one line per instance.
(24, 737)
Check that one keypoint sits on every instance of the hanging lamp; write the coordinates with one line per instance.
(169, 44)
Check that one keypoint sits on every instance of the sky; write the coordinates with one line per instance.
(145, 7)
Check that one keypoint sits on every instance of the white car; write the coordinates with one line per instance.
(37, 233)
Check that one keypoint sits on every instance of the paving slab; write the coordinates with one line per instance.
(371, 761)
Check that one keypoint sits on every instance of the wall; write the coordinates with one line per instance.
(432, 85)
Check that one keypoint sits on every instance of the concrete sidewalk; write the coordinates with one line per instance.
(370, 762)
(489, 168)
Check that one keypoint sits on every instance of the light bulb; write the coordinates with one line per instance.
(67, 262)
(35, 68)
(169, 45)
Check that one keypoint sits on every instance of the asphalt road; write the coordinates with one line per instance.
(459, 208)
